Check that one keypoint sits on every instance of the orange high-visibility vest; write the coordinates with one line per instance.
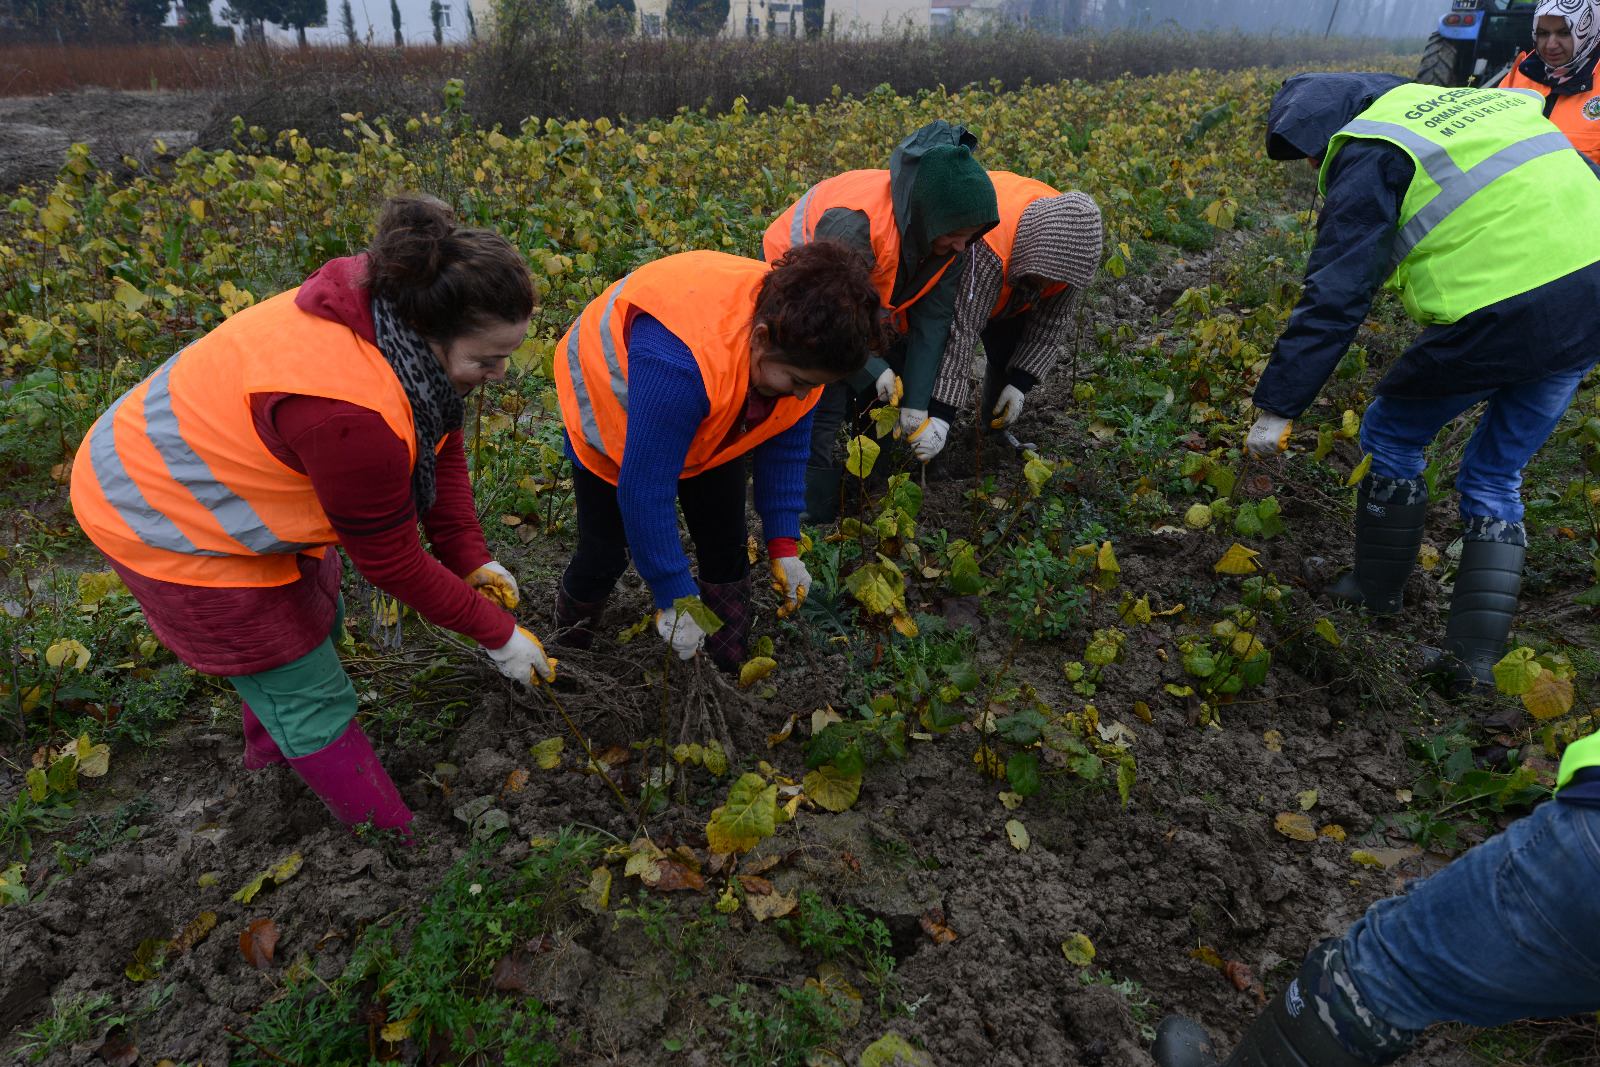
(1577, 115)
(173, 481)
(707, 300)
(1015, 193)
(866, 191)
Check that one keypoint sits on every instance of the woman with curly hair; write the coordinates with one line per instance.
(695, 362)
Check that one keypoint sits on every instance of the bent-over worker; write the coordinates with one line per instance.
(695, 363)
(914, 220)
(327, 415)
(1016, 295)
(1432, 189)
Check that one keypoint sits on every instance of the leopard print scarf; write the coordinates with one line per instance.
(435, 407)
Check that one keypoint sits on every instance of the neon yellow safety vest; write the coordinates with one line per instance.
(1584, 752)
(1489, 167)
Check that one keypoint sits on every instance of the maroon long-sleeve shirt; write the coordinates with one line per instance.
(361, 473)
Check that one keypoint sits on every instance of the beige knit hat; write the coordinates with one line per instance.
(1058, 240)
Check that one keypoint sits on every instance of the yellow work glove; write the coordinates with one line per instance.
(790, 580)
(496, 583)
(522, 659)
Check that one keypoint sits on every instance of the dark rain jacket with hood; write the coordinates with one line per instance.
(922, 215)
(1519, 339)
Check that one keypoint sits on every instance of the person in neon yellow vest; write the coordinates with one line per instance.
(1430, 192)
(1434, 190)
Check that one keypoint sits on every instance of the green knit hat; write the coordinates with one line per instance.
(952, 191)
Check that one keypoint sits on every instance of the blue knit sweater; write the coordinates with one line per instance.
(667, 402)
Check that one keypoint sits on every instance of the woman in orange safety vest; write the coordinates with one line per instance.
(694, 363)
(1561, 69)
(327, 415)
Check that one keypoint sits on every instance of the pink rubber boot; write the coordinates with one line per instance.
(354, 785)
(260, 750)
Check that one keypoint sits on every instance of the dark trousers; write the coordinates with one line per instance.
(713, 506)
(1001, 337)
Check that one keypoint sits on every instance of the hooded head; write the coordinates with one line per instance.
(1311, 108)
(938, 188)
(1584, 25)
(1058, 241)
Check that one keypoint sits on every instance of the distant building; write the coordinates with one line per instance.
(374, 22)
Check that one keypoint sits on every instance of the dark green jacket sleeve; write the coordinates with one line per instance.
(854, 228)
(928, 322)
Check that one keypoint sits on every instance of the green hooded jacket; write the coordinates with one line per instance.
(951, 197)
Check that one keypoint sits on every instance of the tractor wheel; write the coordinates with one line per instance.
(1438, 62)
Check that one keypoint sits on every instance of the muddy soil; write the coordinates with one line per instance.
(1193, 860)
(36, 131)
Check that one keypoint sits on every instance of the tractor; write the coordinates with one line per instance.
(1476, 42)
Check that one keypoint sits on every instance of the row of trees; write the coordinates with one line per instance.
(143, 19)
(1354, 18)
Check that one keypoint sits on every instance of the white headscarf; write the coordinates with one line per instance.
(1585, 25)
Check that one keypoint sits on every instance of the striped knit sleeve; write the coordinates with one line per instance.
(981, 279)
(1047, 333)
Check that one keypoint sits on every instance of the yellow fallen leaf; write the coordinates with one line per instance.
(597, 898)
(755, 669)
(1308, 799)
(1010, 800)
(1017, 834)
(1295, 825)
(400, 1029)
(772, 905)
(1366, 859)
(1208, 956)
(94, 760)
(1428, 556)
(1333, 830)
(1078, 949)
(774, 740)
(1274, 740)
(1550, 696)
(832, 790)
(548, 753)
(1237, 560)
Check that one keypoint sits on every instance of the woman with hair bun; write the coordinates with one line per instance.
(694, 362)
(328, 415)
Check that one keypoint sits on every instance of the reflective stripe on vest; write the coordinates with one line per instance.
(706, 300)
(123, 493)
(1456, 251)
(608, 347)
(1455, 185)
(176, 483)
(869, 192)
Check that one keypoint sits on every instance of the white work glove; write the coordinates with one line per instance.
(792, 581)
(886, 387)
(496, 583)
(680, 631)
(911, 420)
(928, 441)
(1269, 436)
(1007, 408)
(522, 659)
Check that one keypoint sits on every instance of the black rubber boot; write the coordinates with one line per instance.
(1390, 513)
(575, 621)
(1276, 1039)
(1488, 581)
(822, 494)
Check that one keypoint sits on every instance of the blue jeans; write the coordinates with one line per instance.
(1511, 930)
(1514, 426)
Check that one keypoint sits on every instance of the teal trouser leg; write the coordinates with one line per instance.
(307, 704)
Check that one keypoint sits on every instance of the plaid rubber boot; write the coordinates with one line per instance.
(730, 601)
